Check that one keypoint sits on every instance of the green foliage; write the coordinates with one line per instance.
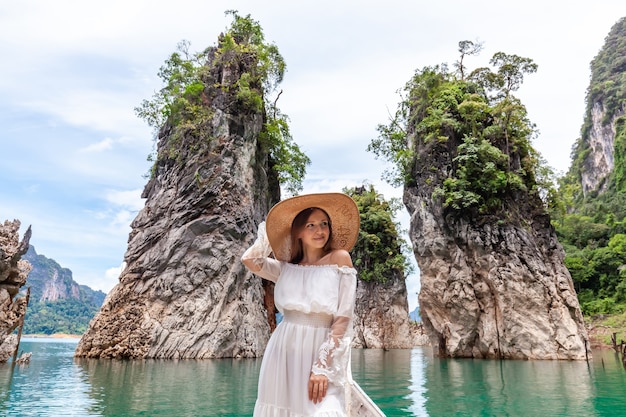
(582, 231)
(392, 144)
(546, 180)
(591, 225)
(608, 76)
(69, 316)
(509, 75)
(481, 178)
(486, 123)
(619, 155)
(596, 259)
(380, 254)
(183, 103)
(606, 305)
(181, 100)
(466, 48)
(289, 161)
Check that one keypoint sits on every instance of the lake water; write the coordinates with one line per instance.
(401, 382)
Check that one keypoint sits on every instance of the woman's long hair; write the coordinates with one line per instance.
(298, 224)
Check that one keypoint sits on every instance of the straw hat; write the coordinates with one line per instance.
(341, 208)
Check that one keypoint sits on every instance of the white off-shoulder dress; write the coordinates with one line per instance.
(317, 304)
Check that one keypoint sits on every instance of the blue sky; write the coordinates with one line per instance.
(73, 153)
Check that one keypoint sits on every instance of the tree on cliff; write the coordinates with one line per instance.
(495, 158)
(493, 281)
(222, 146)
(183, 103)
(381, 257)
(380, 253)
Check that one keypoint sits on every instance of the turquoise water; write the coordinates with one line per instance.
(401, 382)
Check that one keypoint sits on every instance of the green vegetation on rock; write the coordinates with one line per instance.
(478, 109)
(184, 103)
(592, 225)
(380, 254)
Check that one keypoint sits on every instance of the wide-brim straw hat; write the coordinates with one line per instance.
(341, 208)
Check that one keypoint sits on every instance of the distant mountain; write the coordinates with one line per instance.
(58, 304)
(415, 315)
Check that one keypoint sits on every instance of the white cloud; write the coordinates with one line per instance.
(112, 275)
(104, 145)
(128, 198)
(107, 111)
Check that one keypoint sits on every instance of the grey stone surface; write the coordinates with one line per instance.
(13, 274)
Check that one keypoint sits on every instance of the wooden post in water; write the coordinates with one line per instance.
(19, 332)
(614, 341)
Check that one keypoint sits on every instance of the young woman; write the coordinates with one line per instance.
(305, 368)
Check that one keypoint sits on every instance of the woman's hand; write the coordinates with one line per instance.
(318, 385)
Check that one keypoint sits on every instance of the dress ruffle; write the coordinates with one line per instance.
(268, 410)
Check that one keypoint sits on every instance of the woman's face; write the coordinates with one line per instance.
(316, 230)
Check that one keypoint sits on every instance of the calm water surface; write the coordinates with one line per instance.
(401, 382)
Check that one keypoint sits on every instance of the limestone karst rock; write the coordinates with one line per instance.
(494, 291)
(492, 285)
(381, 318)
(493, 279)
(599, 162)
(13, 274)
(184, 292)
(597, 153)
(381, 312)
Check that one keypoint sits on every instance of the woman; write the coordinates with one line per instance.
(305, 367)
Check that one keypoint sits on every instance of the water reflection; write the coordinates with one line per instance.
(222, 387)
(419, 363)
(463, 387)
(609, 384)
(401, 382)
(386, 377)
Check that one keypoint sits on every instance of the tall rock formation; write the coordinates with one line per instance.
(493, 281)
(597, 153)
(381, 315)
(381, 312)
(49, 281)
(13, 274)
(184, 292)
(599, 162)
(492, 290)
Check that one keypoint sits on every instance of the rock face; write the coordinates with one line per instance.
(67, 306)
(51, 282)
(184, 292)
(381, 318)
(418, 335)
(493, 280)
(492, 290)
(600, 160)
(600, 147)
(13, 274)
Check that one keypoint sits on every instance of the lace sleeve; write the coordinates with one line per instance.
(256, 257)
(334, 353)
